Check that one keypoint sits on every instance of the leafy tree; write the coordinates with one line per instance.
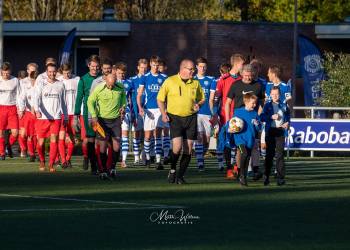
(336, 89)
(176, 10)
(18, 10)
(232, 10)
(319, 11)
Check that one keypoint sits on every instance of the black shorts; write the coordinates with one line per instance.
(185, 127)
(112, 128)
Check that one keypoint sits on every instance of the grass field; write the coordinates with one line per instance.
(74, 210)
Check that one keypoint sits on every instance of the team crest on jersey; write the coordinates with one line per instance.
(46, 94)
(153, 88)
(312, 63)
(160, 80)
(206, 83)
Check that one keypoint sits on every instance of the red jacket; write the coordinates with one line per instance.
(222, 88)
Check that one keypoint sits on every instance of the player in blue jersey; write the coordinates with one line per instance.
(166, 129)
(150, 85)
(245, 139)
(142, 67)
(253, 170)
(274, 74)
(257, 65)
(129, 118)
(205, 112)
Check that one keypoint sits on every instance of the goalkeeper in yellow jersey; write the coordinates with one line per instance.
(106, 105)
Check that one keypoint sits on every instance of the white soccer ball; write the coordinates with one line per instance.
(235, 125)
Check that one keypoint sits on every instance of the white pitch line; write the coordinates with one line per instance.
(73, 209)
(90, 201)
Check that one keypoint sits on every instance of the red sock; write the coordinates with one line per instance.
(53, 152)
(22, 143)
(85, 150)
(2, 146)
(62, 150)
(30, 144)
(35, 141)
(12, 139)
(70, 148)
(41, 152)
(99, 162)
(109, 157)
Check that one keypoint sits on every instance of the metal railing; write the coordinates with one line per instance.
(313, 109)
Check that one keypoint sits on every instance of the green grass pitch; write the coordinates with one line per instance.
(73, 210)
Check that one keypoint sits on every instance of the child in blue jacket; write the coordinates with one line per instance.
(276, 114)
(245, 139)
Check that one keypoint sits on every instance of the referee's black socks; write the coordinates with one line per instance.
(92, 155)
(115, 158)
(103, 157)
(184, 162)
(174, 158)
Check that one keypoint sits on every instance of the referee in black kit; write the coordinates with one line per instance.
(183, 97)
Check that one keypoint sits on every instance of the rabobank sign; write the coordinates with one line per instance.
(319, 135)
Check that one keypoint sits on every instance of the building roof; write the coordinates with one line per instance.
(54, 28)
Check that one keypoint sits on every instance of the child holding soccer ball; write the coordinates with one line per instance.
(276, 114)
(245, 139)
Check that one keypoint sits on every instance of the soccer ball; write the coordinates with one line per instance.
(235, 125)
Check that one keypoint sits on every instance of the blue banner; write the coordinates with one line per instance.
(312, 71)
(67, 47)
(319, 135)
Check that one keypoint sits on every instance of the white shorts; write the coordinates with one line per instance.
(203, 124)
(127, 125)
(153, 120)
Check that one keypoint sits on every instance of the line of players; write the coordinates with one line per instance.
(54, 105)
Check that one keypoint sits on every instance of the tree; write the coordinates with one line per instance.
(336, 88)
(319, 11)
(232, 10)
(176, 10)
(19, 10)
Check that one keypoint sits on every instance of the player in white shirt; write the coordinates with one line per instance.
(27, 137)
(49, 105)
(66, 136)
(26, 85)
(9, 93)
(43, 76)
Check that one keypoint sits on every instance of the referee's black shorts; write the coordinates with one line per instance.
(112, 127)
(185, 127)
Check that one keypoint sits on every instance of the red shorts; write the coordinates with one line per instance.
(21, 121)
(29, 121)
(46, 128)
(82, 128)
(69, 128)
(8, 117)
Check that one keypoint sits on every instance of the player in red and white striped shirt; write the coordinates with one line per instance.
(27, 97)
(9, 92)
(49, 106)
(66, 135)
